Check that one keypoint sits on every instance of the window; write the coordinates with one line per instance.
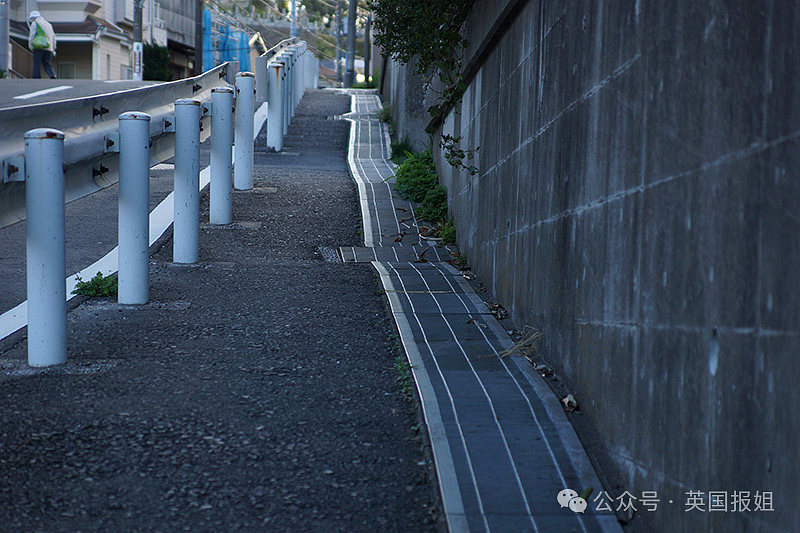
(66, 70)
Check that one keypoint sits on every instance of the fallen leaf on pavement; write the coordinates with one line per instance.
(570, 403)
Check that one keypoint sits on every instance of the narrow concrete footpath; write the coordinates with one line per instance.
(503, 447)
(255, 392)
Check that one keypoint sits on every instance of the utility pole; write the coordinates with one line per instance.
(367, 48)
(4, 36)
(339, 43)
(198, 38)
(137, 40)
(293, 27)
(351, 45)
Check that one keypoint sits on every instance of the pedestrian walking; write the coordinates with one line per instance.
(42, 42)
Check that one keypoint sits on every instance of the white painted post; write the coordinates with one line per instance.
(292, 80)
(300, 83)
(295, 78)
(285, 58)
(134, 208)
(243, 142)
(310, 61)
(298, 67)
(275, 106)
(313, 69)
(301, 73)
(46, 248)
(186, 228)
(261, 80)
(221, 141)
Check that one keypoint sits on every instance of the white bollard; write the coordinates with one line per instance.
(243, 142)
(298, 54)
(285, 99)
(301, 84)
(186, 228)
(301, 73)
(221, 141)
(292, 81)
(260, 80)
(298, 76)
(134, 208)
(312, 62)
(310, 70)
(301, 70)
(46, 248)
(275, 106)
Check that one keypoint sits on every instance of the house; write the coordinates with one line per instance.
(95, 37)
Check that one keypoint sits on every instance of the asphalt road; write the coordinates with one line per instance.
(14, 93)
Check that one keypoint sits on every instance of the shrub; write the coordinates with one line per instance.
(97, 286)
(401, 150)
(416, 176)
(156, 62)
(448, 233)
(434, 205)
(385, 114)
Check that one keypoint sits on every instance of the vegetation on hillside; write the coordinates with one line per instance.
(431, 32)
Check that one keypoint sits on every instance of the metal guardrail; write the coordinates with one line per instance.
(88, 144)
(261, 62)
(286, 43)
(91, 127)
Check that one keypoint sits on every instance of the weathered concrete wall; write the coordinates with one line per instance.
(404, 89)
(638, 201)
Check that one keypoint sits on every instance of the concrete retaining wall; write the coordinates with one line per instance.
(404, 88)
(638, 201)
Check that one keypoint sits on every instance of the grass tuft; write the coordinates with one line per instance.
(98, 286)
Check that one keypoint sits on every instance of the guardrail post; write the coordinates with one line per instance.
(285, 58)
(46, 248)
(312, 61)
(310, 71)
(301, 84)
(186, 234)
(221, 141)
(134, 208)
(243, 142)
(301, 72)
(275, 106)
(261, 79)
(292, 81)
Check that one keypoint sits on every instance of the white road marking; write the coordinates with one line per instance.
(43, 92)
(160, 219)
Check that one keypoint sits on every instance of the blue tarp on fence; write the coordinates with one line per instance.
(223, 43)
